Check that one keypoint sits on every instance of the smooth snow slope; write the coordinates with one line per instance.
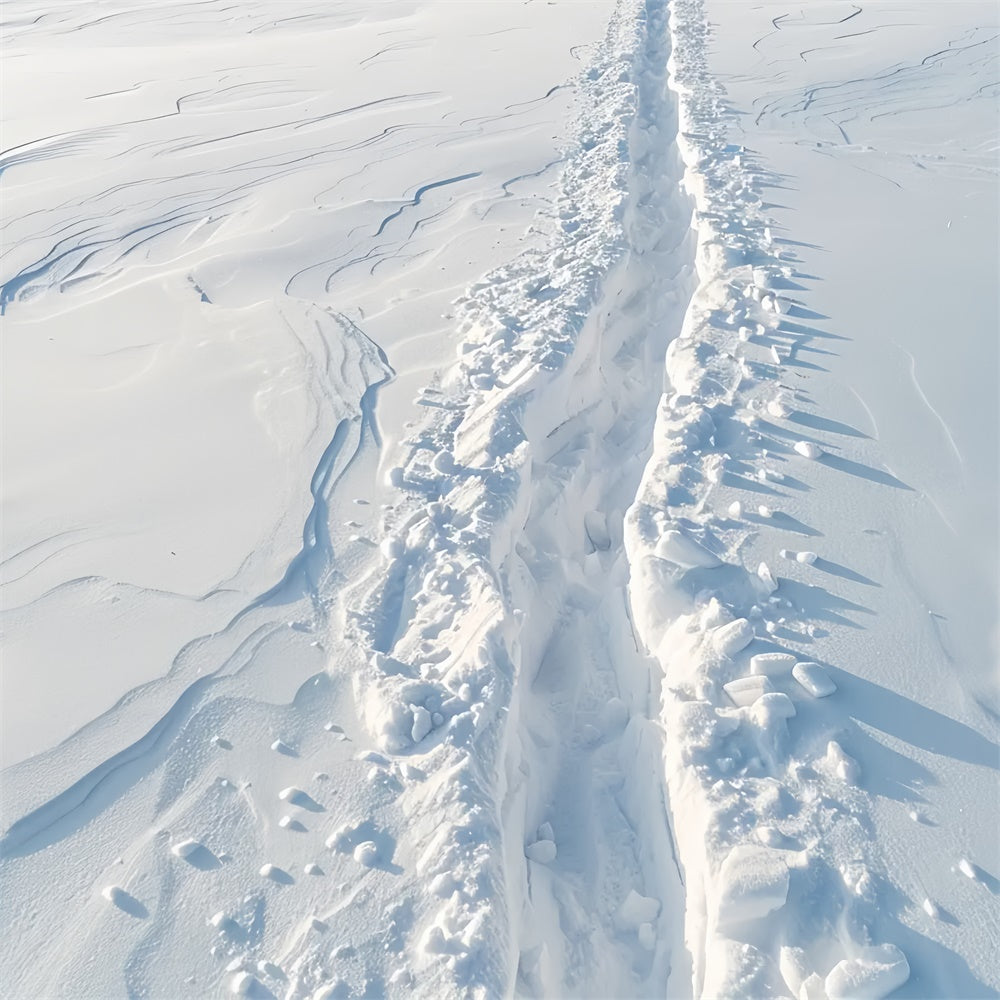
(569, 638)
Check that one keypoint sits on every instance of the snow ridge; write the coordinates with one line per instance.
(782, 885)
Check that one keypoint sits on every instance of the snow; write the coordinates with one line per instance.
(406, 408)
(814, 679)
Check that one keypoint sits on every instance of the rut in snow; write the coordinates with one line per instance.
(504, 594)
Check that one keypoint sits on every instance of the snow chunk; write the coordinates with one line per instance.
(812, 988)
(647, 936)
(814, 679)
(968, 869)
(744, 691)
(771, 664)
(542, 851)
(930, 908)
(275, 874)
(638, 910)
(243, 984)
(731, 638)
(794, 968)
(736, 509)
(185, 848)
(684, 551)
(873, 974)
(753, 882)
(772, 706)
(845, 767)
(366, 853)
(313, 869)
(807, 449)
(422, 723)
(806, 557)
(766, 578)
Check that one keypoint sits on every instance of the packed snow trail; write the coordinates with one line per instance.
(520, 613)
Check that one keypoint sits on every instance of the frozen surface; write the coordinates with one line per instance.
(499, 499)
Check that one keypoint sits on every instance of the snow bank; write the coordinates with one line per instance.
(740, 771)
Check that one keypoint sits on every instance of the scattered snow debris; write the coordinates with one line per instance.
(647, 936)
(778, 408)
(871, 975)
(806, 557)
(807, 449)
(684, 551)
(766, 577)
(542, 851)
(422, 723)
(753, 882)
(930, 908)
(744, 333)
(637, 910)
(736, 509)
(771, 664)
(968, 869)
(731, 638)
(744, 691)
(185, 848)
(771, 628)
(845, 767)
(366, 853)
(814, 679)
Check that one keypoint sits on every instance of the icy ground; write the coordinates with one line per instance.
(499, 499)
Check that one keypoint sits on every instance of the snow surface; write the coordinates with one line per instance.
(412, 415)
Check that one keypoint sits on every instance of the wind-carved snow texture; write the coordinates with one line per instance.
(768, 808)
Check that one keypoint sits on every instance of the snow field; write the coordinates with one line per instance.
(546, 710)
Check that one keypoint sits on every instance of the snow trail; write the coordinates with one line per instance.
(519, 617)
